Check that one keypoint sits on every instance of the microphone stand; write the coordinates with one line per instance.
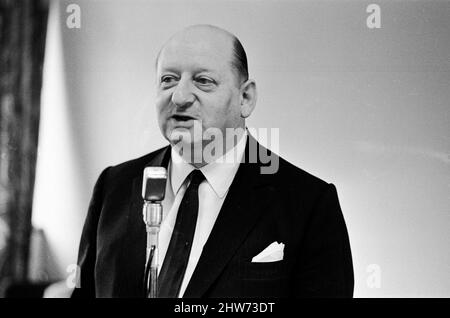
(152, 213)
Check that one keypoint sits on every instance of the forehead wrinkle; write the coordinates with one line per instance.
(191, 65)
(200, 41)
(196, 63)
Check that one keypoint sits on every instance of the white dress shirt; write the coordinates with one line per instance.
(212, 193)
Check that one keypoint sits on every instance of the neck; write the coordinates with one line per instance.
(209, 150)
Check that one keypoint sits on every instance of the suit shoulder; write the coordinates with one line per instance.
(301, 188)
(296, 177)
(287, 175)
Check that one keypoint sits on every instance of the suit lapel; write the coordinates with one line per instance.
(242, 208)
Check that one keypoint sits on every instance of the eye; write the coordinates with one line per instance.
(204, 80)
(168, 79)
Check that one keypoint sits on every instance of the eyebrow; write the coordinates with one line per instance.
(199, 70)
(169, 69)
(206, 70)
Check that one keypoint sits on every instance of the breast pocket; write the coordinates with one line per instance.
(263, 271)
(264, 279)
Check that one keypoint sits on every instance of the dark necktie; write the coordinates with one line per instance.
(177, 255)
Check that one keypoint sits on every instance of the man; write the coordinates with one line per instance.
(230, 228)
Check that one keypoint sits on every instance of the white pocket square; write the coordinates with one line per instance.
(272, 253)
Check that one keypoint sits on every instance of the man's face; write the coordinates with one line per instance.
(196, 84)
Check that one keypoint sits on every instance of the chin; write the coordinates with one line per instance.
(184, 135)
(191, 152)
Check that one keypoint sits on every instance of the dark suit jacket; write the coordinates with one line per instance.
(290, 206)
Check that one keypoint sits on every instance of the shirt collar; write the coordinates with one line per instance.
(219, 173)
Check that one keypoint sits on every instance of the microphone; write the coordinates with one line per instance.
(153, 191)
(154, 183)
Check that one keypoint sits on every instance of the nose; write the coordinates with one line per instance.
(182, 96)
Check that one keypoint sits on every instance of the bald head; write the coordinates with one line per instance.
(222, 41)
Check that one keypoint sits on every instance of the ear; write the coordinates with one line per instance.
(248, 98)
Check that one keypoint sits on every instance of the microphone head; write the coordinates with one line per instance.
(154, 183)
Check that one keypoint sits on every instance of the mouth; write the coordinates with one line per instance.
(182, 117)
